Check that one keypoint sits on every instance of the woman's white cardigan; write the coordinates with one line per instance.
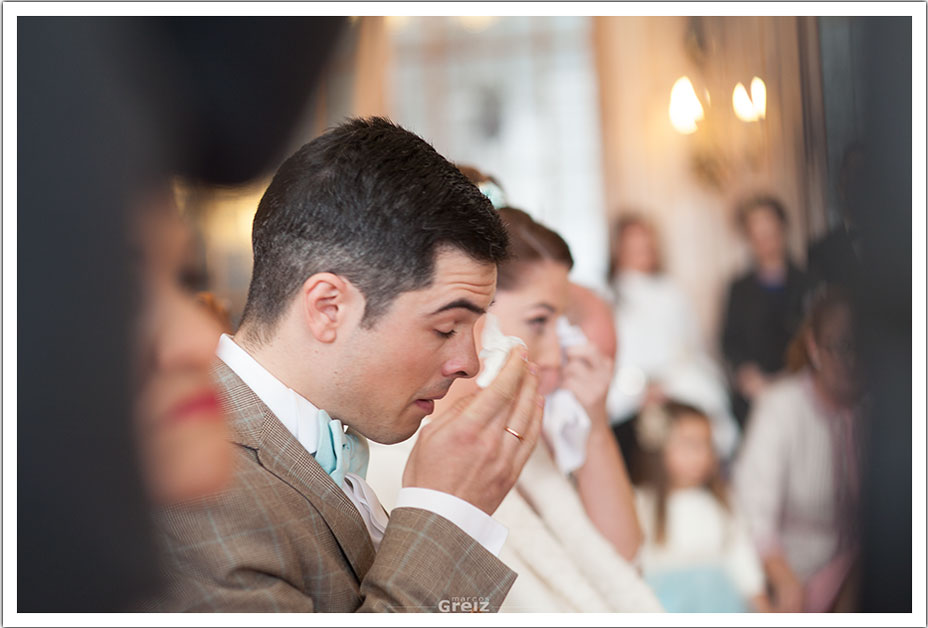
(563, 562)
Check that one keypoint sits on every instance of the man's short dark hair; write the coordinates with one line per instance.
(369, 201)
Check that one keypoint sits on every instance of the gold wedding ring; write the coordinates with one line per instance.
(513, 432)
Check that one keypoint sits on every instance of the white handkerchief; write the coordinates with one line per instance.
(569, 335)
(495, 350)
(566, 427)
(369, 507)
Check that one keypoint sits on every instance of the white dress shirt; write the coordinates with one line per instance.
(298, 415)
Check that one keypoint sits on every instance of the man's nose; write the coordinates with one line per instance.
(463, 361)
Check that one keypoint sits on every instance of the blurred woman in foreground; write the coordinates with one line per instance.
(181, 429)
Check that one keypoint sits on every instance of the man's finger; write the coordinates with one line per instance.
(519, 419)
(530, 437)
(501, 392)
(456, 409)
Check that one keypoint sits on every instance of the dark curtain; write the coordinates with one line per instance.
(884, 295)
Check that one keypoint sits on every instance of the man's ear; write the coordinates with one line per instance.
(328, 302)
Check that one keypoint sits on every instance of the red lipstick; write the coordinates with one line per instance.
(202, 406)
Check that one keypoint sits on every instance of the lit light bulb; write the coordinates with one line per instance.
(685, 108)
(759, 96)
(742, 104)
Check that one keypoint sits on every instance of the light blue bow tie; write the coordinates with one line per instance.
(339, 452)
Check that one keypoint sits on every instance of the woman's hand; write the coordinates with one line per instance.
(787, 589)
(761, 604)
(587, 375)
(751, 380)
(602, 481)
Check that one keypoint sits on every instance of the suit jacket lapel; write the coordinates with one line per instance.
(255, 426)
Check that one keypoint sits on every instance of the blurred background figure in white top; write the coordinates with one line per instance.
(661, 353)
(698, 554)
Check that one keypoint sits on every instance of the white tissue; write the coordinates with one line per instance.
(496, 348)
(569, 335)
(566, 427)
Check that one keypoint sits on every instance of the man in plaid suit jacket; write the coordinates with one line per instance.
(374, 260)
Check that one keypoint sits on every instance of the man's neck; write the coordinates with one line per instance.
(772, 270)
(277, 358)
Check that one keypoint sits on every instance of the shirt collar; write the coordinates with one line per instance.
(292, 409)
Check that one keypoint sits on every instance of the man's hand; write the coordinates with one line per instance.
(467, 451)
(587, 375)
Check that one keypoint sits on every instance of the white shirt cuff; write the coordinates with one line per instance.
(479, 525)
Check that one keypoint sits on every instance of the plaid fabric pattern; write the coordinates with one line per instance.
(284, 537)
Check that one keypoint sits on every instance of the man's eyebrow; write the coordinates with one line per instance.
(546, 306)
(463, 304)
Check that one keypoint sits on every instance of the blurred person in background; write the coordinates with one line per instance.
(487, 184)
(182, 433)
(698, 553)
(835, 258)
(532, 298)
(797, 476)
(593, 314)
(764, 306)
(661, 353)
(580, 365)
(571, 545)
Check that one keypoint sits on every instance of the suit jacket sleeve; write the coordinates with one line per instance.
(234, 553)
(425, 559)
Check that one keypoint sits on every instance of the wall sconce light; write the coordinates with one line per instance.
(685, 108)
(750, 108)
(720, 153)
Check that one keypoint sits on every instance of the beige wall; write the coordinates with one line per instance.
(647, 164)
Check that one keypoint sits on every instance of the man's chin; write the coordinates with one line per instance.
(403, 428)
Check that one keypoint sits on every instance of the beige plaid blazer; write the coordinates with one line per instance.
(284, 537)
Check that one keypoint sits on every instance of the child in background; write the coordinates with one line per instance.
(697, 555)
